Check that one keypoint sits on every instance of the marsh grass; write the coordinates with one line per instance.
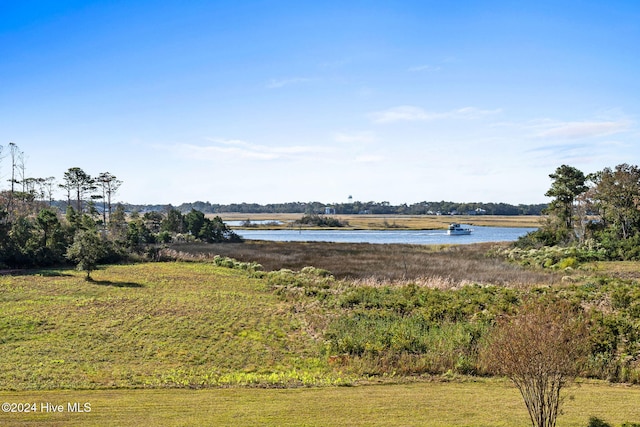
(381, 222)
(437, 265)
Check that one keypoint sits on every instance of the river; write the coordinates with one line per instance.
(417, 237)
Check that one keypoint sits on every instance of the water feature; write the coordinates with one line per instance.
(418, 237)
(238, 223)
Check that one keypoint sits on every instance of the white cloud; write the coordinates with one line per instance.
(402, 113)
(580, 130)
(423, 68)
(242, 149)
(279, 83)
(351, 137)
(369, 158)
(412, 113)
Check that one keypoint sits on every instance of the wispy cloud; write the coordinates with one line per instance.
(246, 150)
(369, 158)
(352, 137)
(408, 113)
(425, 67)
(581, 130)
(568, 153)
(279, 83)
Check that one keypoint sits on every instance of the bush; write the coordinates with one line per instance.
(540, 349)
(597, 422)
(554, 257)
(411, 344)
(309, 281)
(321, 221)
(227, 262)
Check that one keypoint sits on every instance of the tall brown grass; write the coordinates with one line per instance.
(438, 266)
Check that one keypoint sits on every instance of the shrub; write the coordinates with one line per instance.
(540, 350)
(597, 422)
(321, 221)
(252, 267)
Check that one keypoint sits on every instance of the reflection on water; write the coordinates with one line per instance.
(418, 237)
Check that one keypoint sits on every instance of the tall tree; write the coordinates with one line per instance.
(109, 185)
(16, 155)
(617, 196)
(174, 222)
(118, 223)
(77, 180)
(1, 157)
(48, 184)
(194, 221)
(48, 222)
(568, 184)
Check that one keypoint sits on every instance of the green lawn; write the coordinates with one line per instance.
(150, 325)
(481, 403)
(194, 344)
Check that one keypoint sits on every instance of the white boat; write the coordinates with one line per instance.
(458, 230)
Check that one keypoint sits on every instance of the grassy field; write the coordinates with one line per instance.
(381, 222)
(193, 343)
(149, 325)
(438, 404)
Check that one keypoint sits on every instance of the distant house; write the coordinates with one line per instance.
(328, 210)
(477, 211)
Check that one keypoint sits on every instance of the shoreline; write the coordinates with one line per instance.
(384, 222)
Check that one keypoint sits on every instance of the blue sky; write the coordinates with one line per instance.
(274, 101)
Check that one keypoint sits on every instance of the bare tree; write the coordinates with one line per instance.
(1, 157)
(540, 350)
(16, 155)
(48, 184)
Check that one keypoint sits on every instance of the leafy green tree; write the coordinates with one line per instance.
(118, 223)
(173, 222)
(138, 235)
(153, 221)
(80, 182)
(194, 221)
(5, 226)
(23, 244)
(617, 197)
(86, 250)
(568, 184)
(48, 222)
(216, 230)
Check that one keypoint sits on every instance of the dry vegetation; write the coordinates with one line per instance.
(439, 264)
(414, 222)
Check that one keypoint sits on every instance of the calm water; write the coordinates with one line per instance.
(418, 237)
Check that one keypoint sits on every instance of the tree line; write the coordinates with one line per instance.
(355, 208)
(599, 211)
(89, 228)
